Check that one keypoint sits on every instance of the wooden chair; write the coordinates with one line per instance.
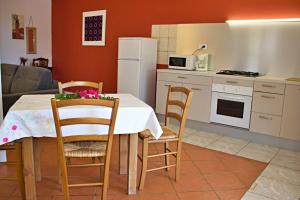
(62, 86)
(71, 84)
(40, 62)
(85, 146)
(17, 148)
(168, 135)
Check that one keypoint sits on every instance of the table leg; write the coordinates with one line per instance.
(123, 156)
(132, 163)
(37, 160)
(28, 168)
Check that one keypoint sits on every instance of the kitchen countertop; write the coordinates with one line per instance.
(264, 78)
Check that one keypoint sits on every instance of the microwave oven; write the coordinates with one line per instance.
(184, 62)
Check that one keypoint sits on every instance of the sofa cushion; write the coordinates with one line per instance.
(8, 72)
(30, 79)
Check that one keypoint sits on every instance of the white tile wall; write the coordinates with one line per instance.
(166, 36)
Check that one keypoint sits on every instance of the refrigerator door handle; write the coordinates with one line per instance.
(133, 59)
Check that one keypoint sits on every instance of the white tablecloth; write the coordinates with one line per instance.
(31, 116)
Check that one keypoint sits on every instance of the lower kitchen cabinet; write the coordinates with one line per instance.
(200, 106)
(291, 113)
(265, 123)
(161, 95)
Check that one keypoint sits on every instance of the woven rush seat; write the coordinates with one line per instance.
(167, 134)
(85, 149)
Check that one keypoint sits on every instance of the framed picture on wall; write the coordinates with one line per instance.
(93, 28)
(17, 26)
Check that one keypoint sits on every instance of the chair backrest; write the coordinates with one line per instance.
(110, 122)
(183, 105)
(40, 62)
(71, 84)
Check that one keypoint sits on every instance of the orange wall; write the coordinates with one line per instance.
(72, 61)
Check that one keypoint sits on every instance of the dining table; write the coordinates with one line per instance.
(31, 118)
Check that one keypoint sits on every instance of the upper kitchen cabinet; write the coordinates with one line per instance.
(291, 113)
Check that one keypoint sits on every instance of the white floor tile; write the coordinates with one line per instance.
(233, 141)
(225, 147)
(263, 153)
(199, 141)
(282, 174)
(228, 145)
(287, 159)
(253, 196)
(275, 189)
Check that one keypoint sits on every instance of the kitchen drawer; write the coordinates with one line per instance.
(266, 124)
(184, 78)
(267, 103)
(233, 81)
(276, 88)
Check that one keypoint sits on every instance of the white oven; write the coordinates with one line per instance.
(231, 105)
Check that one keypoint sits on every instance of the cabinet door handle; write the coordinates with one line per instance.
(264, 117)
(182, 77)
(232, 82)
(197, 89)
(267, 97)
(167, 85)
(268, 86)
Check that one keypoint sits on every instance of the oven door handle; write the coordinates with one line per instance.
(231, 97)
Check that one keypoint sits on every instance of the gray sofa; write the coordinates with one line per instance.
(19, 80)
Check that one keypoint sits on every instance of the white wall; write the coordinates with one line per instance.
(272, 48)
(40, 10)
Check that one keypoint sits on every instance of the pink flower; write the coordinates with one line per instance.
(5, 139)
(89, 94)
(83, 93)
(14, 127)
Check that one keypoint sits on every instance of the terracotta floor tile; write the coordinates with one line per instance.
(202, 171)
(202, 154)
(148, 196)
(211, 166)
(247, 177)
(4, 197)
(77, 198)
(239, 164)
(231, 194)
(190, 183)
(198, 196)
(158, 184)
(224, 181)
(7, 187)
(186, 167)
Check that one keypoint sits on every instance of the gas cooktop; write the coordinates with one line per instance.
(238, 73)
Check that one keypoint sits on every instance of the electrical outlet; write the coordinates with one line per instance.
(202, 46)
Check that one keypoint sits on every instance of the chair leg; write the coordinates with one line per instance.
(101, 160)
(105, 177)
(20, 175)
(59, 170)
(179, 147)
(144, 163)
(167, 158)
(62, 164)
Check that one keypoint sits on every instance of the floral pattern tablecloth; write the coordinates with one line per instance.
(31, 116)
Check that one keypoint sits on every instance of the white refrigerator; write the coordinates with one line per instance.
(137, 68)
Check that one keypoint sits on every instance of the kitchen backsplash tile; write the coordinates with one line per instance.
(166, 36)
